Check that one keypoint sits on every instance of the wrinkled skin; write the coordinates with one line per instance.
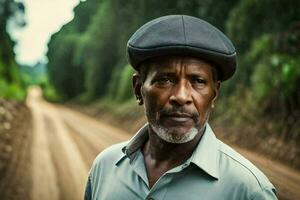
(178, 94)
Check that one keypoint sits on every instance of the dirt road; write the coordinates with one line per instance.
(65, 142)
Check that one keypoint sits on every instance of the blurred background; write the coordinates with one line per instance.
(65, 87)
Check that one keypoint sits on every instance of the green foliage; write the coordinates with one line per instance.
(275, 69)
(100, 42)
(11, 85)
(84, 12)
(10, 80)
(278, 73)
(11, 91)
(251, 18)
(33, 75)
(259, 35)
(124, 83)
(215, 11)
(65, 75)
(50, 93)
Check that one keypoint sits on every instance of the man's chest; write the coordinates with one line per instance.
(190, 184)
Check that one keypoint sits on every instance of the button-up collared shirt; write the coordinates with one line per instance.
(214, 171)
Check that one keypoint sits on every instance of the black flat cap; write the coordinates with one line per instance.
(182, 35)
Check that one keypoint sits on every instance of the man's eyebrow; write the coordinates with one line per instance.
(171, 73)
(194, 74)
(166, 73)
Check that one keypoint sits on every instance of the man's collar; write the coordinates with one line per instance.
(136, 141)
(205, 155)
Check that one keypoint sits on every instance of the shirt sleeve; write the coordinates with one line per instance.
(268, 193)
(88, 190)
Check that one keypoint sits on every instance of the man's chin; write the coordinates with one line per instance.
(177, 135)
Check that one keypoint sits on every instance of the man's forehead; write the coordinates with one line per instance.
(174, 63)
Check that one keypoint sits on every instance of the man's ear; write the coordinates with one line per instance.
(137, 87)
(216, 91)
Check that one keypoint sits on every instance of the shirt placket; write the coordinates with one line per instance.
(160, 188)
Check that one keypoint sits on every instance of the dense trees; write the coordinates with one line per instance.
(267, 35)
(10, 80)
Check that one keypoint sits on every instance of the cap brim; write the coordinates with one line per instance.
(226, 64)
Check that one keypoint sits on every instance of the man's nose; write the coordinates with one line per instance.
(181, 94)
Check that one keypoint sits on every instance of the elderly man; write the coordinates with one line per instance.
(180, 61)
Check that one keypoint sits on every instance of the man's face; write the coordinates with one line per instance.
(178, 93)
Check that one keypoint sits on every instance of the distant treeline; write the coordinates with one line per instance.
(87, 57)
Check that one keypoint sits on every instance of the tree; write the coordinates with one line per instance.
(10, 80)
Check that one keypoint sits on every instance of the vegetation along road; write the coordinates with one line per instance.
(65, 142)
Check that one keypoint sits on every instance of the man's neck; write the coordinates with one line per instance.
(172, 154)
(161, 156)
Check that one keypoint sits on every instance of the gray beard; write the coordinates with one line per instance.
(165, 135)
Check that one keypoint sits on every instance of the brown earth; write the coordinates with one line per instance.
(64, 143)
(15, 142)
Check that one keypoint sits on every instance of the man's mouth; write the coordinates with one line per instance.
(178, 117)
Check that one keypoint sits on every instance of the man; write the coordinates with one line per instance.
(180, 61)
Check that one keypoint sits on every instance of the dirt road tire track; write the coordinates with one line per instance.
(63, 174)
(44, 179)
(87, 149)
(65, 165)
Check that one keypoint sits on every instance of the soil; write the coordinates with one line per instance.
(15, 142)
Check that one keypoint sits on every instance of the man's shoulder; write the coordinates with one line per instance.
(240, 168)
(110, 155)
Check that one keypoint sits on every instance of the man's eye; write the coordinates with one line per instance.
(199, 81)
(163, 80)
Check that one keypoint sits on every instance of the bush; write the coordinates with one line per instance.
(12, 91)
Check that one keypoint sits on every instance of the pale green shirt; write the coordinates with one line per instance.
(214, 171)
